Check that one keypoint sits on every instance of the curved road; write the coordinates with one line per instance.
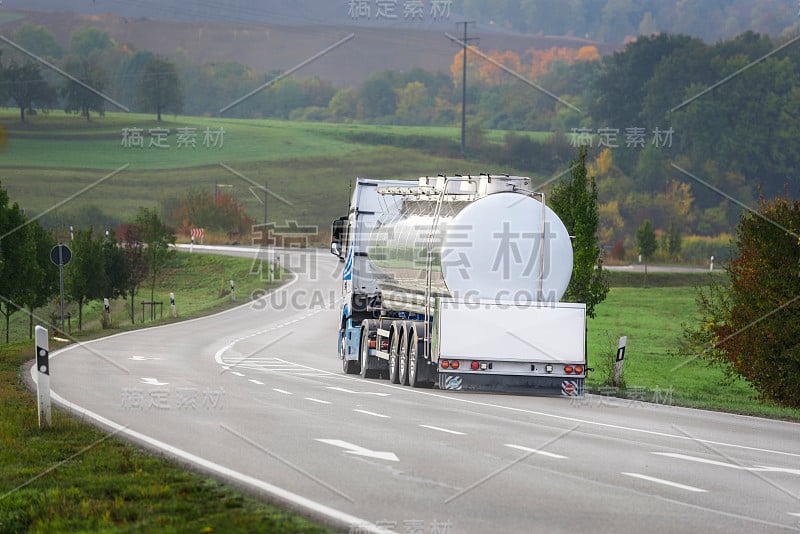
(256, 396)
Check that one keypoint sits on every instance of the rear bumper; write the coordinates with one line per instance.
(534, 385)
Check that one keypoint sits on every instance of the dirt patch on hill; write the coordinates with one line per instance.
(265, 48)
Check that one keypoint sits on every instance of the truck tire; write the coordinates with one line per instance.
(402, 356)
(394, 353)
(417, 364)
(350, 367)
(369, 364)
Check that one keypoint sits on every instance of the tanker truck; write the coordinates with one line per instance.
(456, 282)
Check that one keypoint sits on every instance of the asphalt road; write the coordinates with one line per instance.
(256, 396)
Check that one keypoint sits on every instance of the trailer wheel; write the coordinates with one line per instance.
(369, 364)
(416, 360)
(402, 356)
(394, 356)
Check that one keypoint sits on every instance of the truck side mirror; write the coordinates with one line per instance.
(337, 234)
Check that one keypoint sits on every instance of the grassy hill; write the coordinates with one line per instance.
(310, 166)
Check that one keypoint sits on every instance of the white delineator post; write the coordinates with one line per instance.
(172, 304)
(233, 291)
(43, 376)
(620, 358)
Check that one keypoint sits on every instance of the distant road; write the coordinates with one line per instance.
(639, 268)
(256, 396)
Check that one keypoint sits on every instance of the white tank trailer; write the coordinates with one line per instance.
(456, 282)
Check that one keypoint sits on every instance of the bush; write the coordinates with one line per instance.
(699, 249)
(752, 325)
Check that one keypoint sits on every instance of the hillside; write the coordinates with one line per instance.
(279, 44)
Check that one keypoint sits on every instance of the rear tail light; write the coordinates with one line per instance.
(445, 364)
(568, 369)
(455, 364)
(372, 344)
(578, 369)
(475, 366)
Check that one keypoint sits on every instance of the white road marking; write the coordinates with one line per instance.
(279, 493)
(256, 381)
(312, 399)
(536, 451)
(237, 373)
(283, 391)
(142, 358)
(665, 482)
(344, 390)
(372, 413)
(794, 514)
(757, 468)
(361, 451)
(440, 429)
(153, 382)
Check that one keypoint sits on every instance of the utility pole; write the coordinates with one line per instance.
(465, 43)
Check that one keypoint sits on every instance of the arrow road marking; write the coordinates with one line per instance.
(153, 382)
(361, 451)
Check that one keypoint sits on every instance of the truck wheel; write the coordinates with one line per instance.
(402, 356)
(394, 357)
(416, 360)
(350, 367)
(368, 363)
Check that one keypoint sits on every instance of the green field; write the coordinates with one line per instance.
(653, 321)
(309, 166)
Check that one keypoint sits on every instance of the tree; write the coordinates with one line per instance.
(78, 99)
(157, 239)
(575, 202)
(752, 325)
(37, 39)
(26, 86)
(85, 276)
(136, 270)
(17, 254)
(87, 40)
(44, 282)
(646, 241)
(159, 88)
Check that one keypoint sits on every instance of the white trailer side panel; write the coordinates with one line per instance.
(538, 332)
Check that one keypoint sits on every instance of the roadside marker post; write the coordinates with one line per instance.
(233, 291)
(43, 376)
(172, 304)
(620, 358)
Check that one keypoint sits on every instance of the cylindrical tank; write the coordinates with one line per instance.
(489, 248)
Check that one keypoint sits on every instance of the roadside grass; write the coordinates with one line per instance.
(87, 483)
(653, 320)
(108, 484)
(200, 283)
